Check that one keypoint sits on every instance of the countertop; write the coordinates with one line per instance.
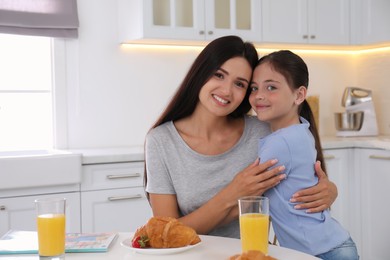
(136, 153)
(111, 154)
(373, 142)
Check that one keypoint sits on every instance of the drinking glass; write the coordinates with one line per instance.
(254, 223)
(51, 227)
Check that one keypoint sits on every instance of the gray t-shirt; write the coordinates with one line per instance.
(174, 168)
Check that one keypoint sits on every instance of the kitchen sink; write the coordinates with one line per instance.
(37, 168)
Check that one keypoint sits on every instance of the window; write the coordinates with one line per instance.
(26, 88)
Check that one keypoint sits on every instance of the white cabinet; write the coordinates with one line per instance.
(159, 21)
(19, 212)
(113, 197)
(338, 167)
(362, 177)
(306, 21)
(371, 22)
(374, 203)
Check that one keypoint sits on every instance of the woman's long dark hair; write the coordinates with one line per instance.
(211, 58)
(294, 69)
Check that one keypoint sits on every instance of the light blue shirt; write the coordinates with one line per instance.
(312, 233)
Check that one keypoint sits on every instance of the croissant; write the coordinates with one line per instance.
(252, 255)
(167, 232)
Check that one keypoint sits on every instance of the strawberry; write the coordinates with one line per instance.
(140, 242)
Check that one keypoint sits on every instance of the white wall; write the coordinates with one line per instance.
(374, 73)
(115, 93)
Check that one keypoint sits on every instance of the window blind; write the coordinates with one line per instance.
(52, 18)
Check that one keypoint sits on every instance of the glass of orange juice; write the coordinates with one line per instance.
(51, 227)
(254, 223)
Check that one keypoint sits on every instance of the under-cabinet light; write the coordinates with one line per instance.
(338, 50)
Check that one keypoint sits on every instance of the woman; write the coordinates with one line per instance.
(200, 155)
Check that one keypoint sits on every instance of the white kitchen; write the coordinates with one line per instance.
(112, 81)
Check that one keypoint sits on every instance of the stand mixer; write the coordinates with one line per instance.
(359, 118)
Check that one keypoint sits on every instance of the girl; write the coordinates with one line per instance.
(279, 88)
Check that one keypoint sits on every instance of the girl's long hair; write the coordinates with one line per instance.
(211, 58)
(295, 70)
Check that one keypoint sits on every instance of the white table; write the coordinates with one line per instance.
(213, 248)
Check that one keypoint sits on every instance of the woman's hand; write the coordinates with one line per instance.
(257, 178)
(318, 197)
(252, 181)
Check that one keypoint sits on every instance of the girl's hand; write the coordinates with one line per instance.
(319, 197)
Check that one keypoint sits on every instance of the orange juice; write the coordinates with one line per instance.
(51, 234)
(254, 232)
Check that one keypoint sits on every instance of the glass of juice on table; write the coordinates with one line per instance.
(254, 223)
(51, 227)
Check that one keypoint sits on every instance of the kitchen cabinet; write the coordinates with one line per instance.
(370, 22)
(306, 21)
(113, 197)
(159, 21)
(374, 203)
(339, 168)
(19, 213)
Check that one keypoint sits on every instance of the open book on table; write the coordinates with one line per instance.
(26, 242)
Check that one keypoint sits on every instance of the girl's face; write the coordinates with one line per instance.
(226, 88)
(272, 98)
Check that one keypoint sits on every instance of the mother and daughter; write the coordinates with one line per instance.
(202, 153)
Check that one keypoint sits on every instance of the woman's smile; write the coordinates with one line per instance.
(220, 100)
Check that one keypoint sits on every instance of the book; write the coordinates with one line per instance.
(26, 242)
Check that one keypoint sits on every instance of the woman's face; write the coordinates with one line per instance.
(272, 98)
(226, 88)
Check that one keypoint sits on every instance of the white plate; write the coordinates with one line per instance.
(156, 251)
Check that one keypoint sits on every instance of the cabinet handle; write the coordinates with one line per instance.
(123, 176)
(329, 157)
(137, 196)
(305, 36)
(210, 32)
(312, 36)
(2, 207)
(201, 32)
(379, 157)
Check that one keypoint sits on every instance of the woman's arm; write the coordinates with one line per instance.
(219, 210)
(318, 197)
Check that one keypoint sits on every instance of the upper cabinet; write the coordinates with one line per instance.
(306, 21)
(194, 20)
(370, 22)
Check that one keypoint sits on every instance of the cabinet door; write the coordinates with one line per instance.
(19, 213)
(154, 21)
(303, 21)
(375, 197)
(342, 170)
(339, 163)
(173, 19)
(233, 17)
(371, 22)
(284, 21)
(121, 210)
(329, 21)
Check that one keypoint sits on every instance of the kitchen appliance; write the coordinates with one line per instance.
(359, 118)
